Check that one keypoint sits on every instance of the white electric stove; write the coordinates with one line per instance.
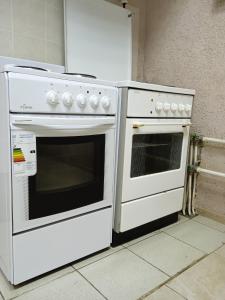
(153, 134)
(57, 169)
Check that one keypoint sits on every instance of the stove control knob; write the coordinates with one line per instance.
(174, 107)
(166, 107)
(94, 101)
(67, 99)
(81, 100)
(52, 98)
(159, 106)
(181, 108)
(105, 101)
(187, 108)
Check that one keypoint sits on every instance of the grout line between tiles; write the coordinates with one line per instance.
(98, 259)
(12, 28)
(173, 277)
(41, 285)
(181, 271)
(185, 243)
(223, 243)
(45, 30)
(74, 270)
(92, 285)
(149, 263)
(173, 225)
(214, 251)
(2, 295)
(158, 232)
(176, 292)
(209, 226)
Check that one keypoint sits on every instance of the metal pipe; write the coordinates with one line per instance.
(185, 200)
(209, 172)
(212, 140)
(190, 181)
(194, 179)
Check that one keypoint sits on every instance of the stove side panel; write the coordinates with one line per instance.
(5, 183)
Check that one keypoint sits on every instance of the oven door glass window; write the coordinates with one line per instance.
(70, 174)
(155, 153)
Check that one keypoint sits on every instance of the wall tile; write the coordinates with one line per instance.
(5, 43)
(29, 48)
(54, 53)
(29, 17)
(55, 3)
(54, 24)
(5, 15)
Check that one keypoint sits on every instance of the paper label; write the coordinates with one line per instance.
(24, 153)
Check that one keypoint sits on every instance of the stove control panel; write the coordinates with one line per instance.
(152, 104)
(35, 94)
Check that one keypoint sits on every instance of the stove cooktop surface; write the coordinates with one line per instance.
(39, 71)
(80, 75)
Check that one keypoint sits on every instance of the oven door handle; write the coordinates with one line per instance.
(138, 125)
(63, 127)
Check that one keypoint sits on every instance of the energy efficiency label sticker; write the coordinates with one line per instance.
(24, 153)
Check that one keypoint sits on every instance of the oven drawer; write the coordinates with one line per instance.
(42, 250)
(141, 211)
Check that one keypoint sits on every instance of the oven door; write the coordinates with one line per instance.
(155, 156)
(61, 167)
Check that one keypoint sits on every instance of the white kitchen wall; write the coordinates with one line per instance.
(32, 29)
(185, 47)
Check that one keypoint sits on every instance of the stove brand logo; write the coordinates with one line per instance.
(24, 106)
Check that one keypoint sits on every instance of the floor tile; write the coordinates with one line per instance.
(164, 293)
(123, 276)
(84, 262)
(9, 291)
(141, 238)
(181, 219)
(203, 281)
(69, 287)
(210, 222)
(221, 251)
(166, 253)
(198, 235)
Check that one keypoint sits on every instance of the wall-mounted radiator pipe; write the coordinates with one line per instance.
(213, 141)
(195, 163)
(190, 180)
(209, 172)
(196, 143)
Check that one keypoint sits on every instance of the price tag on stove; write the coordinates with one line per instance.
(24, 158)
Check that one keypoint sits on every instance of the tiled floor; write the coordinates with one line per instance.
(183, 261)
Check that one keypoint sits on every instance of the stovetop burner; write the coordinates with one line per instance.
(81, 75)
(32, 67)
